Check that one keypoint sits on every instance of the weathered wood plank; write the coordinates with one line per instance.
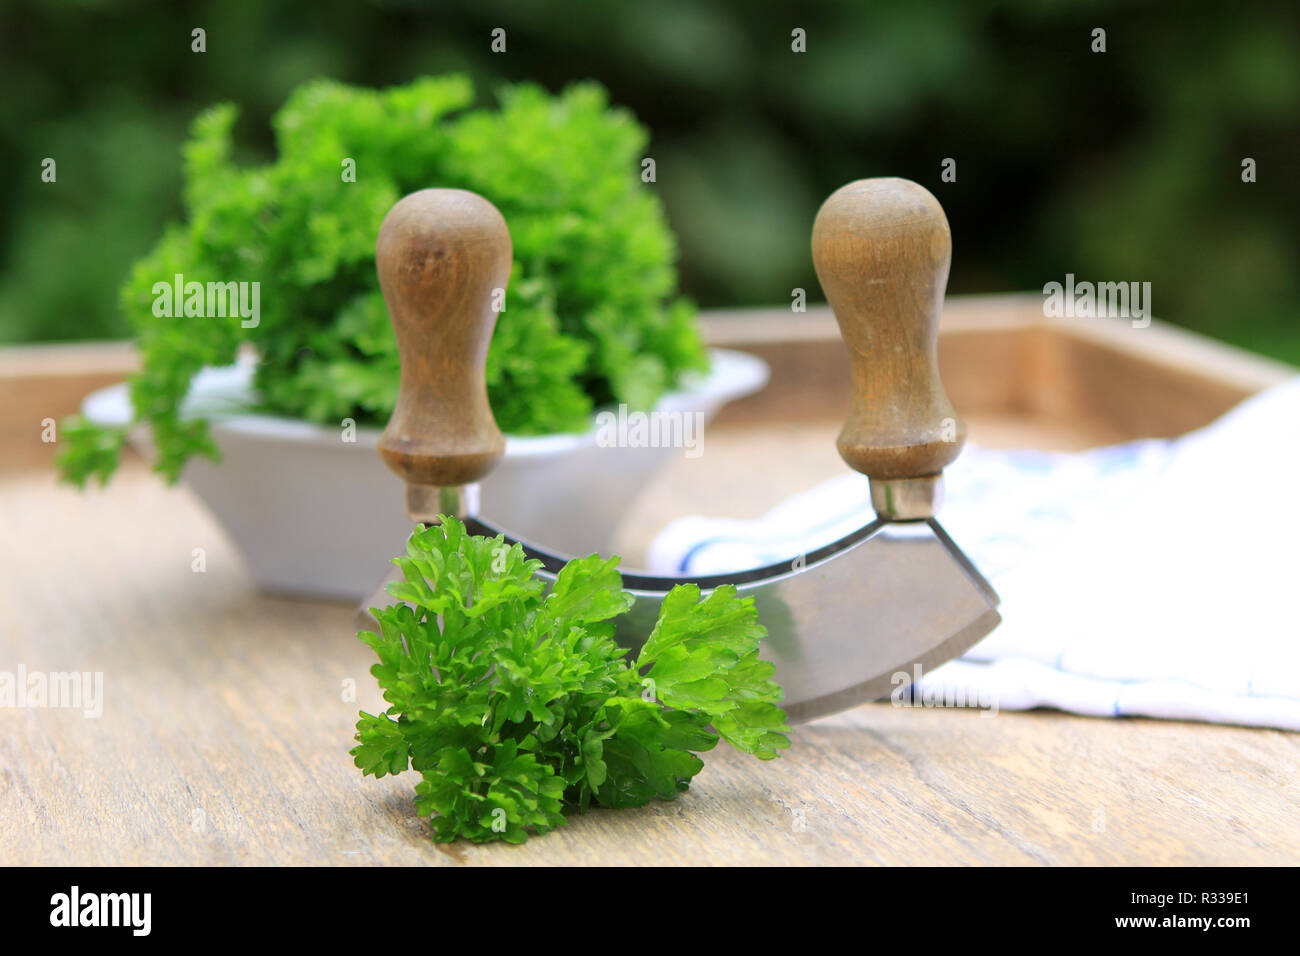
(225, 731)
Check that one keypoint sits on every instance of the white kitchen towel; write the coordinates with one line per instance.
(1154, 578)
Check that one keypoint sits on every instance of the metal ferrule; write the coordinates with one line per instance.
(425, 503)
(907, 499)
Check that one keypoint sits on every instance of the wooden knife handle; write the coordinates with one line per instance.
(882, 249)
(443, 257)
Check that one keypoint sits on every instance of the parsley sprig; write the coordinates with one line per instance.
(593, 315)
(516, 705)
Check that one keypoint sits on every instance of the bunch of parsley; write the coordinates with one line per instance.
(589, 317)
(516, 704)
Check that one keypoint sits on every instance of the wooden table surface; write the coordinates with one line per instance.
(227, 720)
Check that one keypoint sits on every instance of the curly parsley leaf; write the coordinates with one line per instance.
(703, 657)
(515, 704)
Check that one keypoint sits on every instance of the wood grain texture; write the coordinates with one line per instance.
(441, 255)
(882, 249)
(225, 728)
(225, 732)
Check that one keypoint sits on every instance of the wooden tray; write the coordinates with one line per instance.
(1057, 382)
(1017, 377)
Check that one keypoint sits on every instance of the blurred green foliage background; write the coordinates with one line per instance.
(1117, 166)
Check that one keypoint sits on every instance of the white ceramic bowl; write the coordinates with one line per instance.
(318, 516)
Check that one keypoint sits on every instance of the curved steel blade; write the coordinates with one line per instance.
(848, 623)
